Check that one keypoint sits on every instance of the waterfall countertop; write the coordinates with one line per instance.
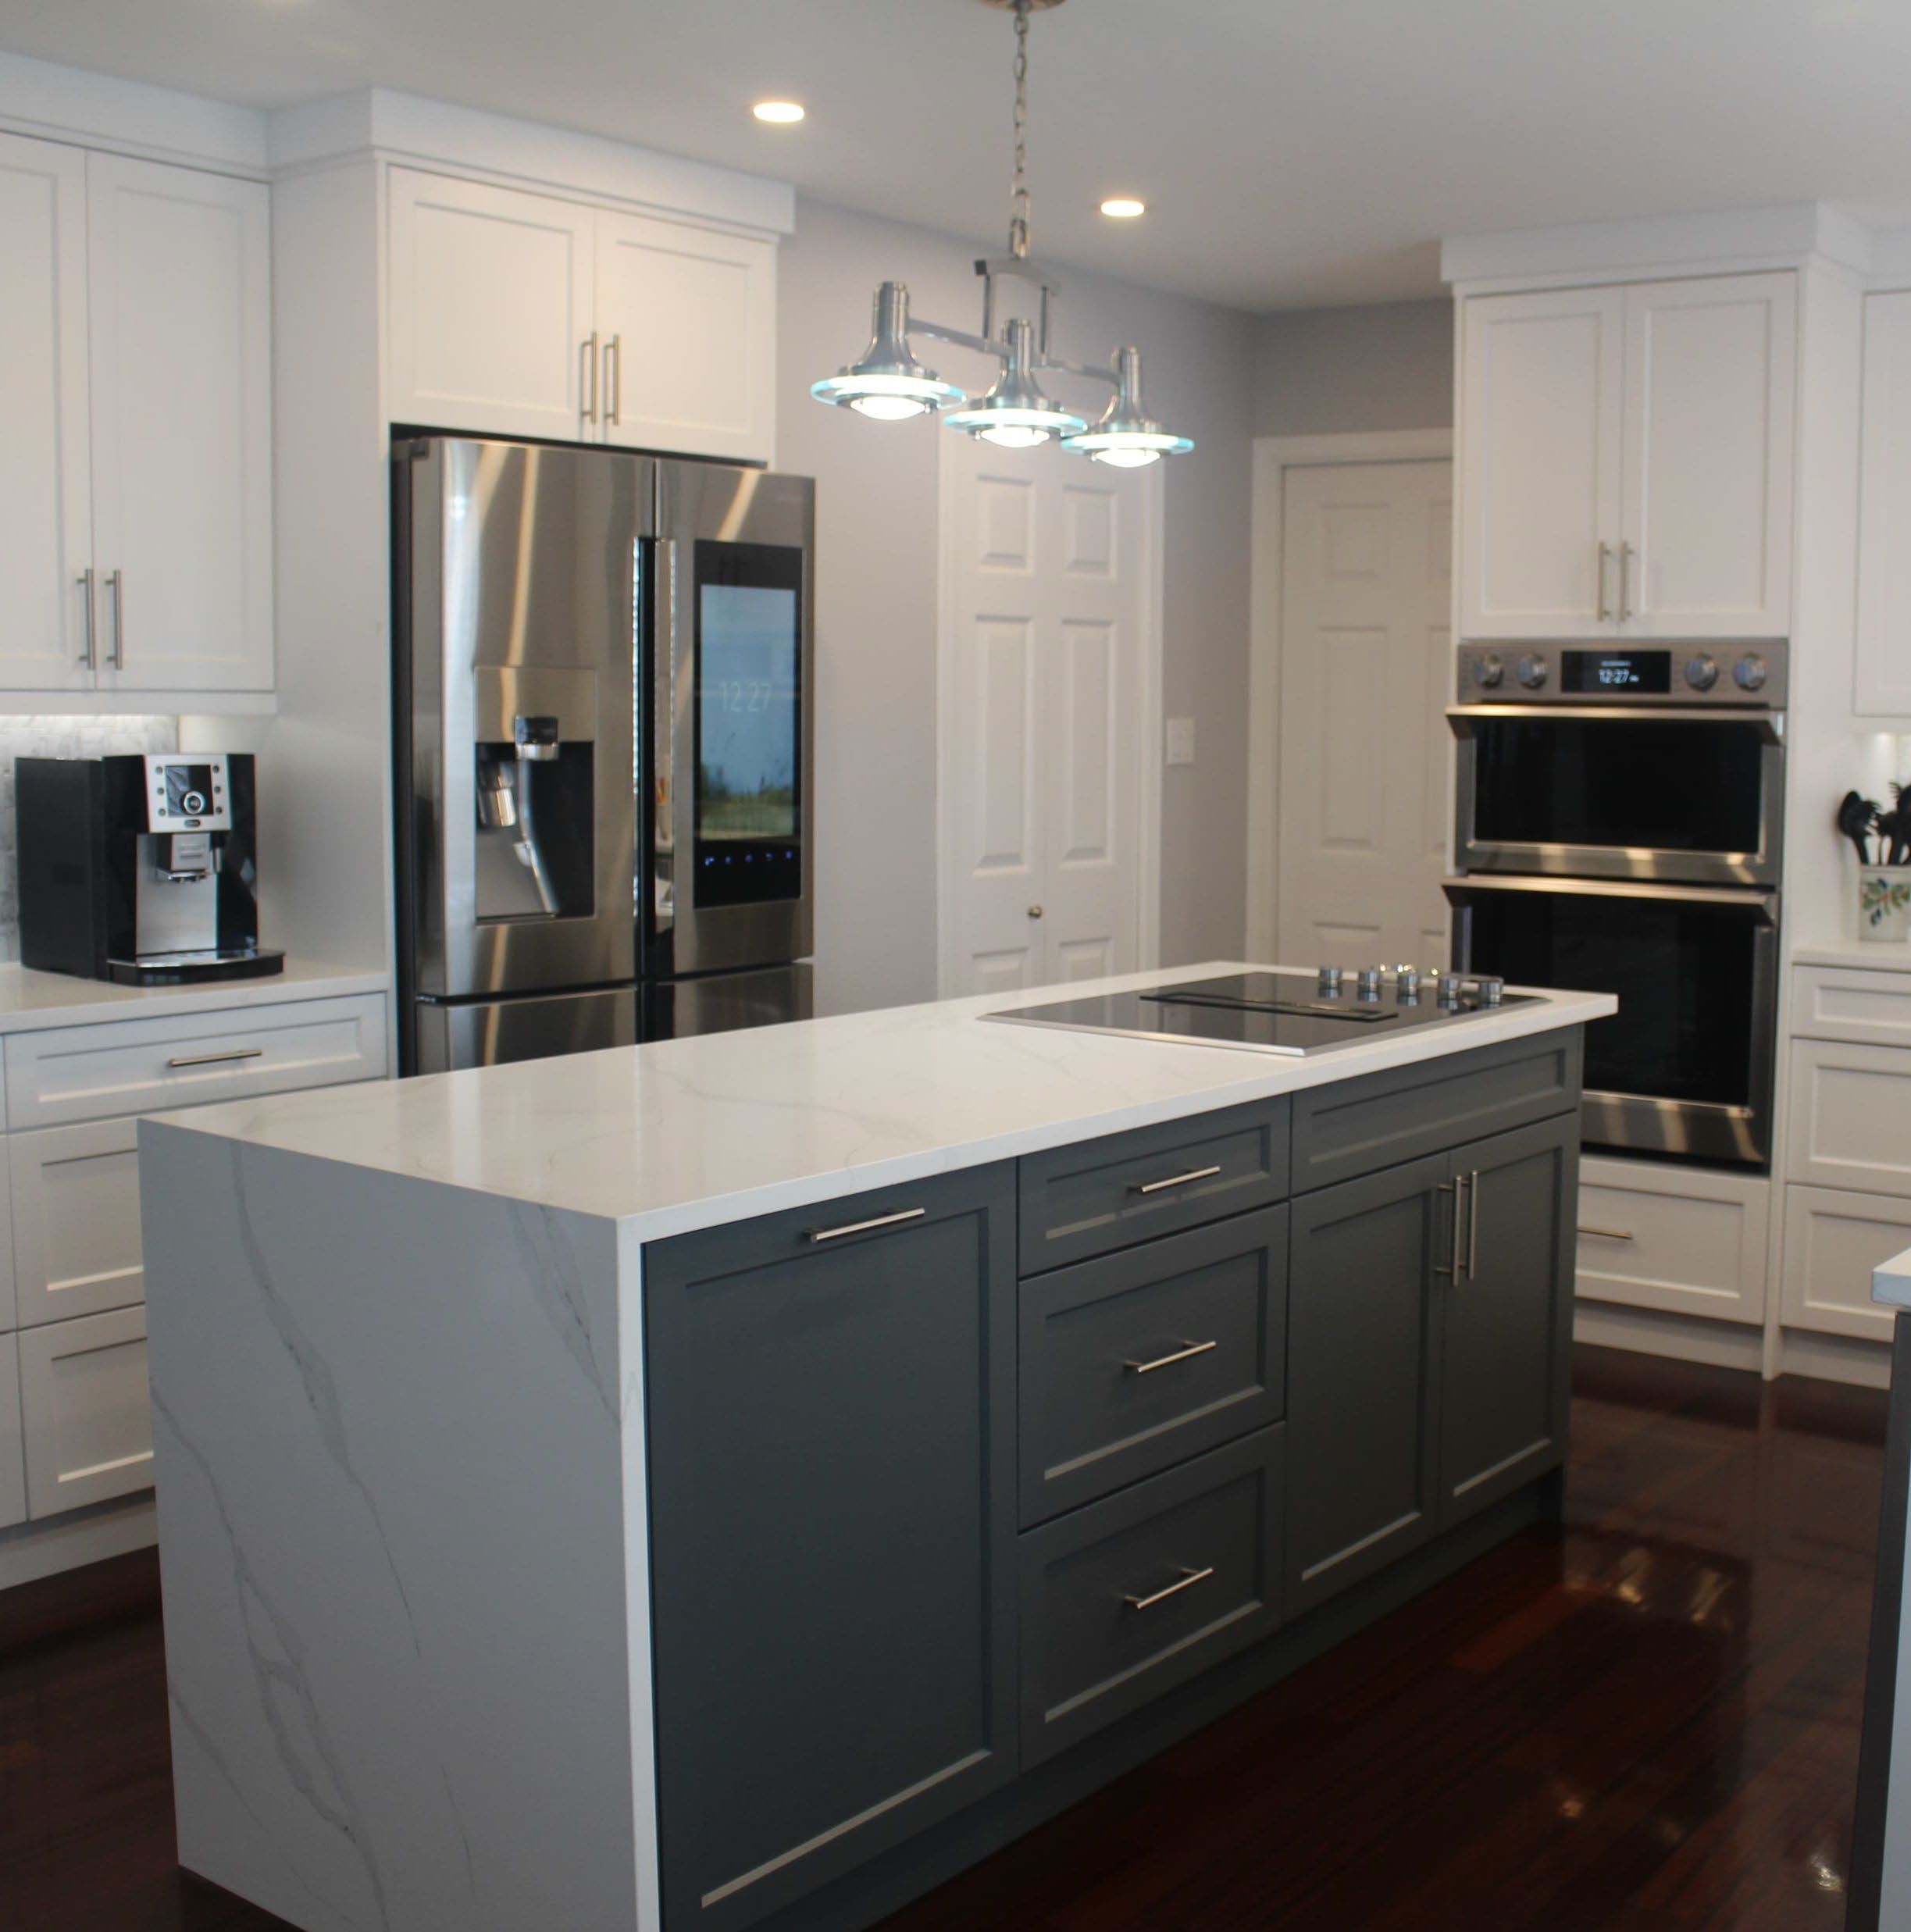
(691, 1133)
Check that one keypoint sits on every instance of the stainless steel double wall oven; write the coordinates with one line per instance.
(1620, 821)
(603, 715)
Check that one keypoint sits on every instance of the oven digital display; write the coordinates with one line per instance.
(1592, 671)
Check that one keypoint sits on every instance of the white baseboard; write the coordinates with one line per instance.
(35, 1550)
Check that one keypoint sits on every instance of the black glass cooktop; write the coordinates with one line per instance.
(1264, 1012)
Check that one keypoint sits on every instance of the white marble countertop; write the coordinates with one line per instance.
(1891, 1282)
(1883, 956)
(29, 1000)
(690, 1133)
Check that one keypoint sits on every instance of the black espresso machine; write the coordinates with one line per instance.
(141, 868)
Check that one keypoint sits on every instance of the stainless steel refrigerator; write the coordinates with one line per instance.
(603, 731)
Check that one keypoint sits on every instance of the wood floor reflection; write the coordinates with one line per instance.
(1647, 1721)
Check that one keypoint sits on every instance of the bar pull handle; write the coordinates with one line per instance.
(1186, 1352)
(614, 380)
(115, 582)
(90, 656)
(1473, 1225)
(214, 1060)
(865, 1227)
(1606, 557)
(1457, 1188)
(1187, 1580)
(587, 377)
(1608, 1234)
(1625, 581)
(1175, 1180)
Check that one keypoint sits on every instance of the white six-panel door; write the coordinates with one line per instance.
(1049, 663)
(1366, 579)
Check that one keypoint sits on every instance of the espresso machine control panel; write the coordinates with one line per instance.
(188, 793)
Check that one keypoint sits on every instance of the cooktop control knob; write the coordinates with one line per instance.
(1407, 979)
(1449, 989)
(1702, 672)
(1532, 671)
(1491, 991)
(1330, 980)
(1489, 672)
(1749, 673)
(1370, 981)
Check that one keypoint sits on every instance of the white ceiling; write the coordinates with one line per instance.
(1306, 152)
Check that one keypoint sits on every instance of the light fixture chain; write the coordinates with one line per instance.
(1018, 199)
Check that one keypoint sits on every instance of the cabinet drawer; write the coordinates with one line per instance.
(1833, 1241)
(87, 1416)
(76, 1220)
(1850, 1117)
(1851, 1003)
(1356, 1127)
(1685, 1241)
(1084, 1200)
(81, 1073)
(1134, 1362)
(1126, 1599)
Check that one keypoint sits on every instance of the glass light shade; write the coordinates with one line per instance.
(1016, 413)
(885, 383)
(1126, 436)
(1125, 459)
(880, 408)
(1013, 436)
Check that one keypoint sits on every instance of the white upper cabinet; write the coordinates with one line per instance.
(1627, 460)
(180, 306)
(1539, 456)
(1711, 369)
(490, 308)
(45, 511)
(519, 314)
(1883, 676)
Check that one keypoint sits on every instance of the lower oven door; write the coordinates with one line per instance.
(1684, 1069)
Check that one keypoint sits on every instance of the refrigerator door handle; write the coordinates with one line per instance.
(664, 730)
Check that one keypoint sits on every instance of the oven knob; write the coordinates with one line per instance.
(1750, 674)
(1489, 672)
(1532, 671)
(1702, 672)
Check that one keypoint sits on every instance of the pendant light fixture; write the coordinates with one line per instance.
(888, 383)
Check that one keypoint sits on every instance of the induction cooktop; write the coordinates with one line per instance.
(1289, 1013)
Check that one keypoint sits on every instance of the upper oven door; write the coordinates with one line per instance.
(1690, 796)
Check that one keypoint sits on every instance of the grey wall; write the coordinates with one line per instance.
(876, 594)
(1324, 372)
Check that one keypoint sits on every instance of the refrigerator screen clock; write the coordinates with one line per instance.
(1592, 671)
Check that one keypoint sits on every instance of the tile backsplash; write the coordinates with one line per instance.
(59, 738)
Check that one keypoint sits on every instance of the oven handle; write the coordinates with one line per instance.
(1765, 904)
(1771, 724)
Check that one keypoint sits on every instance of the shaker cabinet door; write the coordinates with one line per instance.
(1505, 1358)
(831, 1443)
(12, 1447)
(86, 1409)
(76, 1220)
(180, 321)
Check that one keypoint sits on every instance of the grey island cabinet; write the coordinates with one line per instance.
(529, 1564)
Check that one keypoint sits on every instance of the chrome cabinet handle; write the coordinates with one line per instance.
(1187, 1579)
(115, 582)
(1175, 1180)
(1457, 1188)
(587, 375)
(1625, 581)
(865, 1227)
(212, 1059)
(1608, 1234)
(1034, 912)
(1473, 1225)
(1606, 554)
(1186, 1352)
(89, 657)
(614, 380)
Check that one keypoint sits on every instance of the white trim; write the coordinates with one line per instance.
(48, 1545)
(1274, 456)
(55, 103)
(1149, 723)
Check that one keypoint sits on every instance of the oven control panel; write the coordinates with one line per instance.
(1747, 676)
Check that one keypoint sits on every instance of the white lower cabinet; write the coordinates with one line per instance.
(12, 1448)
(87, 1421)
(1833, 1241)
(76, 1220)
(1851, 1116)
(1684, 1241)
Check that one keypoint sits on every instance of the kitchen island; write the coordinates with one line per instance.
(739, 1481)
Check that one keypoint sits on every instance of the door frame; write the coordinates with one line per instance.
(1149, 719)
(1274, 456)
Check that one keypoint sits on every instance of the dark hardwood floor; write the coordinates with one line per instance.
(1647, 1721)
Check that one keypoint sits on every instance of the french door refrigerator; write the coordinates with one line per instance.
(602, 728)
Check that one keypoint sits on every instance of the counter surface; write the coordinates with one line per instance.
(31, 1001)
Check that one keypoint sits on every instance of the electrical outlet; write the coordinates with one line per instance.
(1181, 741)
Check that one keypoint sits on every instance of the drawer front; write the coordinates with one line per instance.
(1357, 1127)
(1699, 1250)
(122, 1067)
(1850, 1117)
(1833, 1241)
(1124, 1599)
(12, 1448)
(1104, 1194)
(1848, 1003)
(76, 1220)
(84, 1406)
(1134, 1362)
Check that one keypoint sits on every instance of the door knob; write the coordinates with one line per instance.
(1034, 912)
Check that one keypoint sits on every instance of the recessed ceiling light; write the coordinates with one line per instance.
(782, 112)
(1124, 207)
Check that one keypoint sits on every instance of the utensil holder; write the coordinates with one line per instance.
(1885, 902)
